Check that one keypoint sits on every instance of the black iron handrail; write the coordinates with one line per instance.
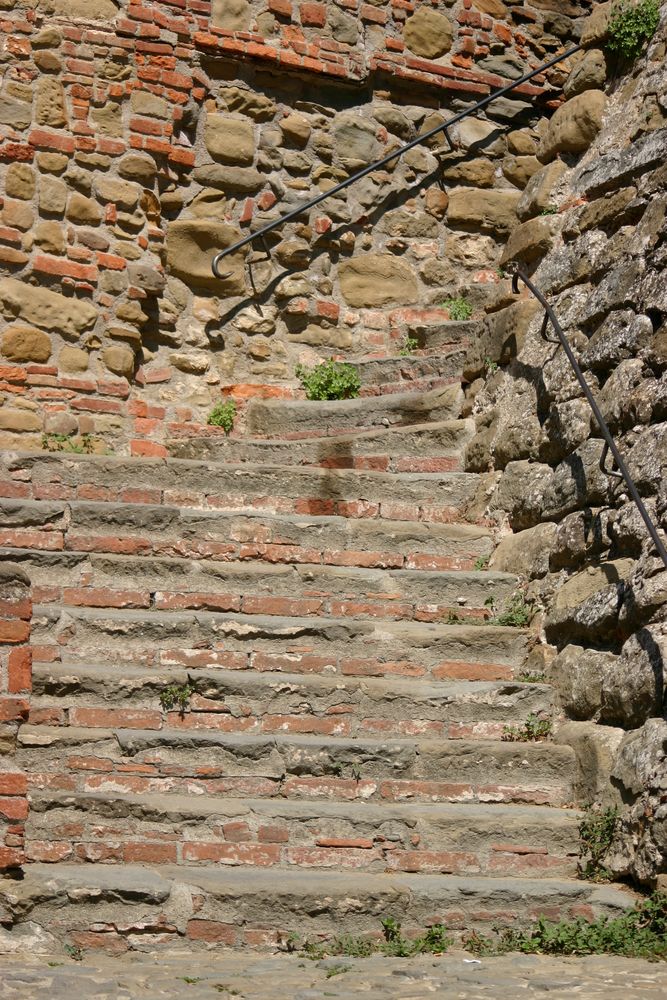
(610, 445)
(269, 227)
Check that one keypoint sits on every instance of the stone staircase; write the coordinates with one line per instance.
(309, 586)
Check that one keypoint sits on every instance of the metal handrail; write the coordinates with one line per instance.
(261, 233)
(610, 445)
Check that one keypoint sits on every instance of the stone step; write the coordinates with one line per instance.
(445, 496)
(253, 587)
(344, 646)
(163, 529)
(426, 372)
(243, 701)
(434, 447)
(183, 829)
(197, 762)
(116, 907)
(284, 418)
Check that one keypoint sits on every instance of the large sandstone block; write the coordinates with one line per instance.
(525, 553)
(354, 141)
(231, 14)
(428, 33)
(26, 343)
(491, 211)
(372, 280)
(191, 246)
(537, 194)
(49, 310)
(91, 10)
(529, 241)
(230, 140)
(589, 74)
(574, 126)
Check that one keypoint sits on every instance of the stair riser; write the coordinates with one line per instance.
(279, 418)
(250, 587)
(198, 912)
(242, 702)
(333, 646)
(131, 528)
(455, 772)
(429, 448)
(75, 835)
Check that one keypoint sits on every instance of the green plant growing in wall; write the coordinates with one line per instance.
(596, 833)
(459, 308)
(329, 380)
(222, 415)
(632, 24)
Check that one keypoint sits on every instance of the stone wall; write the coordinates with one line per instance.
(139, 136)
(594, 236)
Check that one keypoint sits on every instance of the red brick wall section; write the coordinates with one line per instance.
(15, 686)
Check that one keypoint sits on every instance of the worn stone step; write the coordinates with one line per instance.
(296, 766)
(148, 528)
(252, 587)
(434, 447)
(445, 496)
(345, 646)
(304, 418)
(240, 701)
(183, 829)
(443, 367)
(116, 907)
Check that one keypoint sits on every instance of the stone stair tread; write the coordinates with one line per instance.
(257, 570)
(282, 889)
(271, 416)
(132, 739)
(416, 690)
(411, 631)
(159, 806)
(438, 438)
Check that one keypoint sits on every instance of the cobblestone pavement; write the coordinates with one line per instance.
(200, 976)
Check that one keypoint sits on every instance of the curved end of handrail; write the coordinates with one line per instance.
(215, 265)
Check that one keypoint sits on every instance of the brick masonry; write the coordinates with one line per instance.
(117, 191)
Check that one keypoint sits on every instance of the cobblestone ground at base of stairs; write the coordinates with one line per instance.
(202, 976)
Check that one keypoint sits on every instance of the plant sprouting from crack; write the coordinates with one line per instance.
(514, 614)
(535, 729)
(410, 344)
(222, 415)
(329, 380)
(459, 308)
(176, 695)
(596, 833)
(632, 24)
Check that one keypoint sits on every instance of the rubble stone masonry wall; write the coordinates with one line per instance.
(594, 236)
(137, 137)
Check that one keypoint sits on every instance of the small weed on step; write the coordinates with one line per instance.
(459, 308)
(534, 730)
(329, 380)
(176, 695)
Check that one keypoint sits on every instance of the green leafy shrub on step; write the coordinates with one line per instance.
(632, 23)
(222, 415)
(640, 932)
(458, 308)
(329, 380)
